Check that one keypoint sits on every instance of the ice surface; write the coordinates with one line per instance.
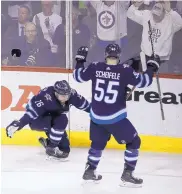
(25, 170)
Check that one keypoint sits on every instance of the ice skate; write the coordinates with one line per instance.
(56, 153)
(43, 141)
(90, 174)
(128, 180)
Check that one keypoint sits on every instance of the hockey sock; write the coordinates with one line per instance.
(94, 157)
(55, 137)
(131, 157)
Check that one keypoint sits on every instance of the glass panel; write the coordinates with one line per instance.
(37, 28)
(99, 23)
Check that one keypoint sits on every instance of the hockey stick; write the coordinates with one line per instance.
(157, 74)
(129, 94)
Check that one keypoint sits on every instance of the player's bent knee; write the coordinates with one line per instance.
(135, 144)
(98, 145)
(60, 122)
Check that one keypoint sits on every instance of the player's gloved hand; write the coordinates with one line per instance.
(12, 128)
(30, 61)
(82, 53)
(154, 63)
(136, 64)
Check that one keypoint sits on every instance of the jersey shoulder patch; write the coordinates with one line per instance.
(95, 63)
(125, 65)
(46, 94)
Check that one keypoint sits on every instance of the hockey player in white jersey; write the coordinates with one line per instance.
(108, 108)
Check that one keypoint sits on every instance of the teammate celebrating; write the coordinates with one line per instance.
(46, 111)
(108, 108)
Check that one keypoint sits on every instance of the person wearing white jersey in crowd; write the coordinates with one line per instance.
(48, 21)
(111, 22)
(164, 24)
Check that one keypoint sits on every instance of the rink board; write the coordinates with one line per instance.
(81, 139)
(143, 110)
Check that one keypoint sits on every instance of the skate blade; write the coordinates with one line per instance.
(90, 182)
(130, 185)
(52, 158)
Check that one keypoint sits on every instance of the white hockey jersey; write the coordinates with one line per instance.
(111, 20)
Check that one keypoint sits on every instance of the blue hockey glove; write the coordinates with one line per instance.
(12, 128)
(81, 55)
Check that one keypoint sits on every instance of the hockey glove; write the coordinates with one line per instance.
(154, 63)
(136, 64)
(12, 128)
(81, 54)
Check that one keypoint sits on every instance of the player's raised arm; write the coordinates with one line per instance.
(141, 80)
(134, 14)
(82, 74)
(79, 101)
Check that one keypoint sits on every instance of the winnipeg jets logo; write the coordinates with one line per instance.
(106, 19)
(48, 97)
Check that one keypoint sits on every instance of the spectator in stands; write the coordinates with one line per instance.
(57, 7)
(17, 28)
(48, 22)
(13, 8)
(34, 51)
(164, 24)
(111, 23)
(81, 36)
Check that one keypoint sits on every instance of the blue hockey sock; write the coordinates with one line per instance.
(131, 157)
(94, 157)
(55, 137)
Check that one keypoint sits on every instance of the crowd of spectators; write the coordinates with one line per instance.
(38, 29)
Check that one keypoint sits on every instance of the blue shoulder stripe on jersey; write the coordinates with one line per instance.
(144, 81)
(30, 115)
(86, 107)
(147, 80)
(83, 105)
(77, 75)
(141, 81)
(30, 108)
(108, 119)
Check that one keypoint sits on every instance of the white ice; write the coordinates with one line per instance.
(26, 171)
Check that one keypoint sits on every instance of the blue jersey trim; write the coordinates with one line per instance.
(98, 119)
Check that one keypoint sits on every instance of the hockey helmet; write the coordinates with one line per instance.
(113, 50)
(62, 88)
